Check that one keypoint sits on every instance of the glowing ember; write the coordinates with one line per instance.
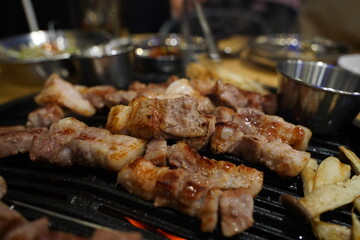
(153, 229)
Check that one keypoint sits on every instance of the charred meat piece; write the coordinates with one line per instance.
(57, 90)
(222, 174)
(29, 231)
(9, 219)
(226, 94)
(252, 121)
(149, 118)
(156, 151)
(18, 141)
(44, 116)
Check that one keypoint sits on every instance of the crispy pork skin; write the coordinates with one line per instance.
(96, 147)
(29, 231)
(9, 219)
(57, 90)
(236, 208)
(45, 116)
(19, 141)
(221, 174)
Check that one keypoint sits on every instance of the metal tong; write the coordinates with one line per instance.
(185, 31)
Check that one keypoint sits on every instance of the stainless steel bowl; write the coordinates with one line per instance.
(321, 96)
(269, 50)
(109, 63)
(164, 53)
(31, 58)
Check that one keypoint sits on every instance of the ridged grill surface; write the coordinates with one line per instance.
(93, 195)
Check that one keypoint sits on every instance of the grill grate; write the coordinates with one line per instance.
(93, 196)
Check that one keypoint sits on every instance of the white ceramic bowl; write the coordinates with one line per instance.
(350, 62)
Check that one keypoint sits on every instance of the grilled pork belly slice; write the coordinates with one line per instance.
(70, 141)
(7, 129)
(226, 94)
(18, 141)
(58, 91)
(276, 155)
(194, 194)
(149, 118)
(53, 147)
(236, 209)
(223, 114)
(252, 121)
(44, 116)
(96, 147)
(222, 174)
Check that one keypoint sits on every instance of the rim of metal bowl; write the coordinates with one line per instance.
(56, 57)
(320, 64)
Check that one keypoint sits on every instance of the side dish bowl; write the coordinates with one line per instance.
(30, 58)
(321, 96)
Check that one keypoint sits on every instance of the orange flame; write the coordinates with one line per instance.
(150, 228)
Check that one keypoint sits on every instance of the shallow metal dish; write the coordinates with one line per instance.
(269, 50)
(321, 96)
(23, 58)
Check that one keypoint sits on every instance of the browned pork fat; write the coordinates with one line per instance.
(44, 116)
(58, 91)
(96, 95)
